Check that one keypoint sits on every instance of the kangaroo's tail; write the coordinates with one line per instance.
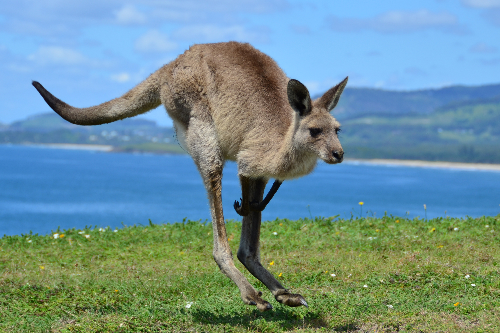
(142, 98)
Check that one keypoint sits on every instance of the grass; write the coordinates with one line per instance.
(390, 274)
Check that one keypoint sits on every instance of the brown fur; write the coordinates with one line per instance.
(229, 101)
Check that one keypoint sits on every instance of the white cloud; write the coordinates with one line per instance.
(213, 33)
(482, 48)
(154, 41)
(128, 14)
(482, 3)
(49, 55)
(120, 77)
(399, 22)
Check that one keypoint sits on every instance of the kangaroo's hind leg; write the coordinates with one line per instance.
(203, 147)
(249, 253)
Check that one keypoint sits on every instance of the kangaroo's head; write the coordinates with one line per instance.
(317, 130)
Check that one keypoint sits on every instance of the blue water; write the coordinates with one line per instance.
(41, 189)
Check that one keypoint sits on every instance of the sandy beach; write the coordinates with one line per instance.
(104, 148)
(428, 164)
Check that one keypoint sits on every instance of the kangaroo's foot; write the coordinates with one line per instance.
(253, 298)
(283, 296)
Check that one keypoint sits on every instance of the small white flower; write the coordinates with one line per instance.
(349, 275)
(390, 306)
(456, 229)
(467, 276)
(188, 305)
(365, 286)
(101, 229)
(81, 232)
(116, 230)
(275, 233)
(487, 226)
(87, 236)
(473, 284)
(29, 240)
(333, 275)
(56, 236)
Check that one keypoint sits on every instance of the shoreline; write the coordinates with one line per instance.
(71, 146)
(384, 162)
(427, 164)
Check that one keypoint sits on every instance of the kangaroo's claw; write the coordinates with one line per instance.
(240, 209)
(255, 299)
(293, 300)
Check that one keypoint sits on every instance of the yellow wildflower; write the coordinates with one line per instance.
(271, 263)
(456, 304)
(432, 230)
(361, 203)
(280, 274)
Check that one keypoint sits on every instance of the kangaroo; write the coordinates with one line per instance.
(229, 101)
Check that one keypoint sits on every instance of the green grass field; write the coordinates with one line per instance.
(363, 275)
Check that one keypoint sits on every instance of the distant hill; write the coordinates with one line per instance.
(467, 133)
(356, 102)
(131, 134)
(51, 121)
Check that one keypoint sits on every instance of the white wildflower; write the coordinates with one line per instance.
(456, 229)
(275, 233)
(333, 275)
(116, 230)
(87, 236)
(487, 226)
(188, 305)
(29, 240)
(365, 286)
(81, 232)
(467, 276)
(390, 306)
(56, 236)
(473, 284)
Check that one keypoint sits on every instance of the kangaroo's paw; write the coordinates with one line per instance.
(243, 211)
(284, 297)
(255, 299)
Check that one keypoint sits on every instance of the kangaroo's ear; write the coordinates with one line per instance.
(298, 97)
(330, 99)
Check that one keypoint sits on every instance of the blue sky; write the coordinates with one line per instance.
(87, 52)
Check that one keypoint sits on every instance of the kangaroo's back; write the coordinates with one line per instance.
(244, 90)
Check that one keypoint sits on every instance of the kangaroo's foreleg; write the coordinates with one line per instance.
(206, 154)
(249, 253)
(246, 204)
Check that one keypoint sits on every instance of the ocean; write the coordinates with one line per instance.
(42, 189)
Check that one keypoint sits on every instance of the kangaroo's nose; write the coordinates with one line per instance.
(338, 154)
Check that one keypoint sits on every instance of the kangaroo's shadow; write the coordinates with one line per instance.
(288, 317)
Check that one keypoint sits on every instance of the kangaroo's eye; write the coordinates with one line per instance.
(338, 130)
(315, 131)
